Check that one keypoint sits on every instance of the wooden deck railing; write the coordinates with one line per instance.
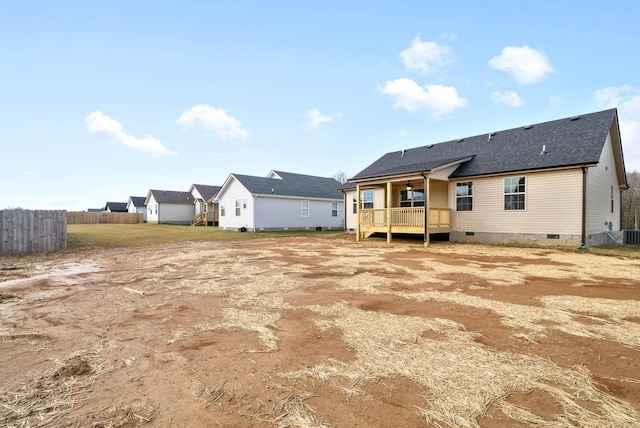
(405, 217)
(203, 218)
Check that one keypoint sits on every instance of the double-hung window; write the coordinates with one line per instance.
(366, 200)
(514, 193)
(222, 208)
(238, 207)
(304, 208)
(334, 209)
(464, 196)
(412, 198)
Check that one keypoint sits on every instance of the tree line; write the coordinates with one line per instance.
(631, 202)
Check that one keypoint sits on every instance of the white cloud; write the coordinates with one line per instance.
(627, 100)
(425, 57)
(214, 120)
(99, 122)
(509, 98)
(525, 64)
(316, 118)
(438, 100)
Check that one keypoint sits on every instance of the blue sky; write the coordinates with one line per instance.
(100, 101)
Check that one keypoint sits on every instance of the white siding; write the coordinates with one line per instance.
(152, 214)
(600, 179)
(133, 209)
(553, 205)
(279, 213)
(175, 213)
(232, 192)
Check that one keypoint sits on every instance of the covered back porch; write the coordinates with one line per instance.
(412, 205)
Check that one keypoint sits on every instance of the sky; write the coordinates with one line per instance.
(100, 101)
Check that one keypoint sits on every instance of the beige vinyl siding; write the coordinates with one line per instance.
(599, 181)
(438, 194)
(552, 205)
(378, 202)
(443, 174)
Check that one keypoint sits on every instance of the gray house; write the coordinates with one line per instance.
(280, 201)
(553, 182)
(169, 206)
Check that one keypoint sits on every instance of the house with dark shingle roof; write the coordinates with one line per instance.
(135, 204)
(116, 207)
(205, 209)
(169, 206)
(280, 201)
(553, 182)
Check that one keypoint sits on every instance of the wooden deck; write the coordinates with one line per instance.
(204, 218)
(404, 220)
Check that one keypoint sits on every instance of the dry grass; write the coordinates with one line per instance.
(461, 378)
(49, 397)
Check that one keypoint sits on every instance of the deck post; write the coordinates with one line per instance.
(357, 212)
(426, 210)
(388, 212)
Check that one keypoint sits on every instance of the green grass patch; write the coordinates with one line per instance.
(89, 236)
(631, 251)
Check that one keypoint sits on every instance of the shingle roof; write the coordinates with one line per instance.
(290, 184)
(566, 142)
(207, 192)
(172, 196)
(116, 207)
(137, 201)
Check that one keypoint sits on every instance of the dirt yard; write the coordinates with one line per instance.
(320, 332)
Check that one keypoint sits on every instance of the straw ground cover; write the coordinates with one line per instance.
(319, 331)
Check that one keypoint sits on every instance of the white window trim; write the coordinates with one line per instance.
(504, 194)
(467, 196)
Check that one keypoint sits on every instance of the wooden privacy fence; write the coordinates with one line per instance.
(77, 217)
(27, 231)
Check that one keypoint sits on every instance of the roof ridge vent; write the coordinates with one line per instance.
(528, 127)
(574, 118)
(460, 140)
(429, 146)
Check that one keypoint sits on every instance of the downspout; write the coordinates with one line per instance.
(583, 244)
(620, 210)
(425, 236)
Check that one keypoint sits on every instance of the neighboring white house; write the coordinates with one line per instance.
(552, 182)
(280, 201)
(135, 204)
(169, 206)
(206, 210)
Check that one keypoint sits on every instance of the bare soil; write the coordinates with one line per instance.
(320, 331)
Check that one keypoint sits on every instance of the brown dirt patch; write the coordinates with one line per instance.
(318, 331)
